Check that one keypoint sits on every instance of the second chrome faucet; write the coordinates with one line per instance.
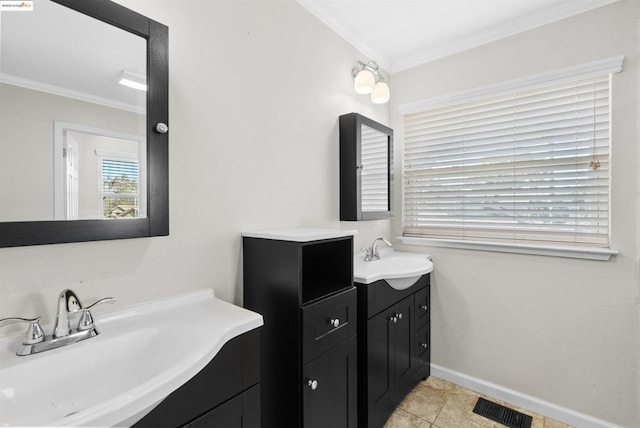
(371, 253)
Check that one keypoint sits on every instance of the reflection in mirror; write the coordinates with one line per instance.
(72, 138)
(374, 168)
(98, 173)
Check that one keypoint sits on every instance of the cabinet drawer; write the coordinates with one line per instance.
(422, 308)
(422, 345)
(328, 322)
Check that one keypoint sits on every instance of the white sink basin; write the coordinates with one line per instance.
(142, 354)
(401, 270)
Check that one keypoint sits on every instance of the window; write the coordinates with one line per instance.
(119, 188)
(512, 165)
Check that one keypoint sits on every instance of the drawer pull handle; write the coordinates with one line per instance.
(335, 322)
(313, 384)
(424, 307)
(424, 345)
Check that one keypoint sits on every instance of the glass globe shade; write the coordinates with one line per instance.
(381, 93)
(364, 82)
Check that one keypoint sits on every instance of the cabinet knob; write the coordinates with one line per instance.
(424, 345)
(161, 128)
(394, 319)
(424, 307)
(313, 384)
(400, 316)
(335, 322)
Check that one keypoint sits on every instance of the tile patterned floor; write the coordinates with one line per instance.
(436, 403)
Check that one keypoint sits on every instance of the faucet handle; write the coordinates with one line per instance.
(101, 301)
(86, 319)
(34, 333)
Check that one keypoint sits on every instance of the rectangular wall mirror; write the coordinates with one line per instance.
(83, 86)
(366, 178)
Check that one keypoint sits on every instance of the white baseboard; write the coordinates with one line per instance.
(550, 410)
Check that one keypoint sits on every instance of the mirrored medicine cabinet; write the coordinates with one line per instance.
(366, 176)
(82, 156)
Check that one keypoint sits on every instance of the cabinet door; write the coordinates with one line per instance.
(360, 136)
(329, 392)
(379, 368)
(403, 338)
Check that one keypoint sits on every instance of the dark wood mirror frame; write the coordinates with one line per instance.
(15, 234)
(350, 127)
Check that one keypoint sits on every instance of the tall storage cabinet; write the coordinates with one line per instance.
(301, 281)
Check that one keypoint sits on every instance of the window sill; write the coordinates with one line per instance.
(602, 254)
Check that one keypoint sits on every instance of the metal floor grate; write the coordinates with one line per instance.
(501, 414)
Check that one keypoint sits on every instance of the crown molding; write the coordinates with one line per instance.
(69, 93)
(548, 16)
(322, 10)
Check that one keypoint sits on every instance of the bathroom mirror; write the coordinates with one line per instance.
(82, 157)
(366, 178)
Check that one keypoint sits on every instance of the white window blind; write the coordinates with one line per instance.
(513, 167)
(375, 169)
(119, 189)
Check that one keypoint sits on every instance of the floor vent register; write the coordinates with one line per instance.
(501, 414)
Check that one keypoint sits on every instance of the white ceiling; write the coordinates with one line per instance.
(400, 34)
(42, 50)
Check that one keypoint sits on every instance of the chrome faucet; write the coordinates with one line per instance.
(371, 253)
(69, 309)
(68, 303)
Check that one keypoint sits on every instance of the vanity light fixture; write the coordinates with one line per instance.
(132, 80)
(367, 79)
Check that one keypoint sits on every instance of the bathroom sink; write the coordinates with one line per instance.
(399, 269)
(142, 354)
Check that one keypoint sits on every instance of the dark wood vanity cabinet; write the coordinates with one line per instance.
(393, 345)
(225, 394)
(304, 291)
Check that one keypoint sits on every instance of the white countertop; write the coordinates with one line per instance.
(299, 234)
(142, 354)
